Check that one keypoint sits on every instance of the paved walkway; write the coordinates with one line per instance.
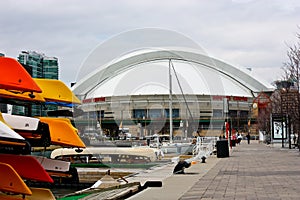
(254, 171)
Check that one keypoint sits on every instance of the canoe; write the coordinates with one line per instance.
(56, 91)
(27, 167)
(13, 76)
(11, 181)
(133, 155)
(62, 132)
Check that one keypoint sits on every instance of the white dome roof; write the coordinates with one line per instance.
(146, 72)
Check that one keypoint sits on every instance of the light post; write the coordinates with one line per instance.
(285, 89)
(144, 118)
(226, 109)
(288, 130)
(282, 130)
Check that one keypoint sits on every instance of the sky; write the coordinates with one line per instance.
(245, 33)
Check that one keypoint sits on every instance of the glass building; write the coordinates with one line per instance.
(38, 65)
(50, 68)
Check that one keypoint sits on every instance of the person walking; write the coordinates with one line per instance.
(248, 138)
(239, 138)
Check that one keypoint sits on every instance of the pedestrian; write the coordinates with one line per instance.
(239, 137)
(248, 138)
(181, 165)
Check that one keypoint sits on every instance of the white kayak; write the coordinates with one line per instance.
(7, 132)
(18, 122)
(53, 165)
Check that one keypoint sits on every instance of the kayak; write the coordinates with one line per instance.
(13, 76)
(62, 132)
(32, 129)
(27, 167)
(11, 181)
(56, 91)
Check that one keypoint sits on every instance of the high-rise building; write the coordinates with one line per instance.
(50, 68)
(38, 65)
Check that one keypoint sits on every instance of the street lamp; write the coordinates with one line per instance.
(144, 118)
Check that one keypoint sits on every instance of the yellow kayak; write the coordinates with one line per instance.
(56, 91)
(62, 132)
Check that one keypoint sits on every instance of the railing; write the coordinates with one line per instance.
(204, 147)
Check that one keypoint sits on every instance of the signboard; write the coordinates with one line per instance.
(279, 128)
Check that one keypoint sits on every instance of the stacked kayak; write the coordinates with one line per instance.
(18, 134)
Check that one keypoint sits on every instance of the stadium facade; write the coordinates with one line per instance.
(135, 91)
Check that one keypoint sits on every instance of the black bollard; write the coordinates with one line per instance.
(203, 158)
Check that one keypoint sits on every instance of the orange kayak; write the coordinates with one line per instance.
(13, 76)
(11, 181)
(62, 132)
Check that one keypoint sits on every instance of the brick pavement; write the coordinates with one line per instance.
(254, 171)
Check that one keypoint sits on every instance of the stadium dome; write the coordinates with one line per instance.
(134, 89)
(145, 72)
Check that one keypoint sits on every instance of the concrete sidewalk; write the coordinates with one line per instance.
(253, 171)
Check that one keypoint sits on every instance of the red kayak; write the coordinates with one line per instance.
(13, 76)
(27, 167)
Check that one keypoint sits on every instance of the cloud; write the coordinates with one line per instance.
(243, 32)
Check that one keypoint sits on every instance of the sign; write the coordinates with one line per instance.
(279, 128)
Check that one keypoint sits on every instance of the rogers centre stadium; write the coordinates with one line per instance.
(136, 91)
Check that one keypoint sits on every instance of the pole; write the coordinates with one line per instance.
(170, 103)
(282, 139)
(288, 131)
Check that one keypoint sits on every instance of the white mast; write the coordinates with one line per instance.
(170, 103)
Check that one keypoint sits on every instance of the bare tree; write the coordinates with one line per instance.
(292, 76)
(263, 120)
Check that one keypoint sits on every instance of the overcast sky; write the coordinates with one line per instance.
(248, 33)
